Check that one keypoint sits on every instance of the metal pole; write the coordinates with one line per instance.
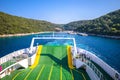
(75, 50)
(31, 46)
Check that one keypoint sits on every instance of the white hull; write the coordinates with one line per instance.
(29, 61)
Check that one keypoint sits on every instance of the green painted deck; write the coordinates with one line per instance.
(52, 65)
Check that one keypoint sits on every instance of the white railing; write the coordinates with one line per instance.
(108, 69)
(53, 37)
(92, 74)
(13, 54)
(63, 36)
(20, 57)
(9, 69)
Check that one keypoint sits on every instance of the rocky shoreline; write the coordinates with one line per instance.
(106, 36)
(24, 34)
(20, 34)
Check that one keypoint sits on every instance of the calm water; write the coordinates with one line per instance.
(105, 48)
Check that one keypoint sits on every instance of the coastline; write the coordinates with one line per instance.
(24, 34)
(105, 36)
(20, 34)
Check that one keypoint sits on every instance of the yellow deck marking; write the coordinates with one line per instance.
(70, 64)
(28, 74)
(72, 74)
(80, 73)
(40, 72)
(61, 72)
(83, 76)
(17, 74)
(50, 72)
(37, 58)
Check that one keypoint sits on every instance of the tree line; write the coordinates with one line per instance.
(10, 24)
(108, 24)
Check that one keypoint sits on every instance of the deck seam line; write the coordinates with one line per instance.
(28, 74)
(50, 73)
(61, 72)
(17, 74)
(40, 72)
(80, 73)
(72, 74)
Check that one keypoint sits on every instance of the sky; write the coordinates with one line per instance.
(59, 11)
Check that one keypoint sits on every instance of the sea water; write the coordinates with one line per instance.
(105, 48)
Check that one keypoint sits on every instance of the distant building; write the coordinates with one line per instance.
(58, 29)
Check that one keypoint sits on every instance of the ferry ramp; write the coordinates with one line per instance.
(51, 63)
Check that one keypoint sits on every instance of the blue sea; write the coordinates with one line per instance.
(105, 48)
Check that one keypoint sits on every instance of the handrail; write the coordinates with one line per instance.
(11, 66)
(91, 65)
(54, 36)
(108, 69)
(11, 55)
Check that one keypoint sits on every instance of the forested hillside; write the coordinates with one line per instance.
(108, 24)
(12, 24)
